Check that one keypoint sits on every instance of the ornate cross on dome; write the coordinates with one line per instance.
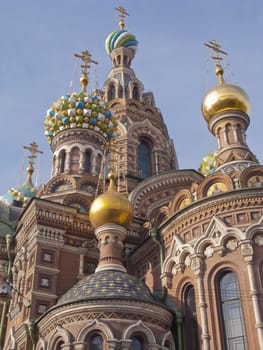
(217, 58)
(33, 149)
(122, 14)
(85, 56)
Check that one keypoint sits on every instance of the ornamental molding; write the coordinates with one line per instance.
(218, 238)
(171, 180)
(210, 206)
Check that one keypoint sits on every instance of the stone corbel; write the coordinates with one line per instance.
(167, 278)
(126, 344)
(112, 344)
(247, 250)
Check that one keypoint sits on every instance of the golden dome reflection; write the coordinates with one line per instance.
(224, 97)
(111, 207)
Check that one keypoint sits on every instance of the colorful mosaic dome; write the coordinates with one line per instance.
(107, 285)
(20, 195)
(120, 38)
(208, 164)
(80, 111)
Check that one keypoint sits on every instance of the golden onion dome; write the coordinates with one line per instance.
(224, 97)
(111, 207)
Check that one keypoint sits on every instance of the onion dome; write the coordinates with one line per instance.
(120, 38)
(107, 285)
(208, 164)
(111, 207)
(224, 97)
(20, 196)
(80, 110)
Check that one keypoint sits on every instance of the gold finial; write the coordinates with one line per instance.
(122, 14)
(217, 51)
(33, 149)
(85, 56)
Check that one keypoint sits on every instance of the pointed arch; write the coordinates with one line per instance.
(139, 328)
(94, 326)
(59, 335)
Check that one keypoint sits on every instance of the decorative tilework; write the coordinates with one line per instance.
(108, 285)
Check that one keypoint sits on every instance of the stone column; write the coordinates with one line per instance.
(247, 252)
(196, 265)
(81, 162)
(67, 162)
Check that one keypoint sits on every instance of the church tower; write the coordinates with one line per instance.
(143, 144)
(225, 109)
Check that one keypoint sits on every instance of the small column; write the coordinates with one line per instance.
(247, 252)
(81, 162)
(197, 268)
(67, 162)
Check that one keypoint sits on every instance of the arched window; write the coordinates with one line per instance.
(231, 312)
(120, 91)
(87, 161)
(135, 92)
(75, 155)
(111, 92)
(144, 159)
(62, 159)
(137, 343)
(96, 342)
(59, 345)
(190, 321)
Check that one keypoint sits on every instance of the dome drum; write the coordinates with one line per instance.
(223, 118)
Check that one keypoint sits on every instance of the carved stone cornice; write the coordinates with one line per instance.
(201, 211)
(151, 313)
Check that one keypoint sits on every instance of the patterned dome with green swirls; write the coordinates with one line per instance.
(120, 38)
(208, 164)
(80, 110)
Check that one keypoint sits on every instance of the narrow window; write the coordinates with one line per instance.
(135, 92)
(144, 160)
(87, 162)
(232, 318)
(62, 159)
(137, 343)
(111, 92)
(75, 155)
(96, 342)
(190, 321)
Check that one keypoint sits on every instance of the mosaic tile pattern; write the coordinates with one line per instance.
(108, 285)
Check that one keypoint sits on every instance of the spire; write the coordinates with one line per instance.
(217, 58)
(85, 56)
(122, 14)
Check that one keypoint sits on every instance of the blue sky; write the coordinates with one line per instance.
(39, 38)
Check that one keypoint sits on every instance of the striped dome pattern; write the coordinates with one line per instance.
(120, 38)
